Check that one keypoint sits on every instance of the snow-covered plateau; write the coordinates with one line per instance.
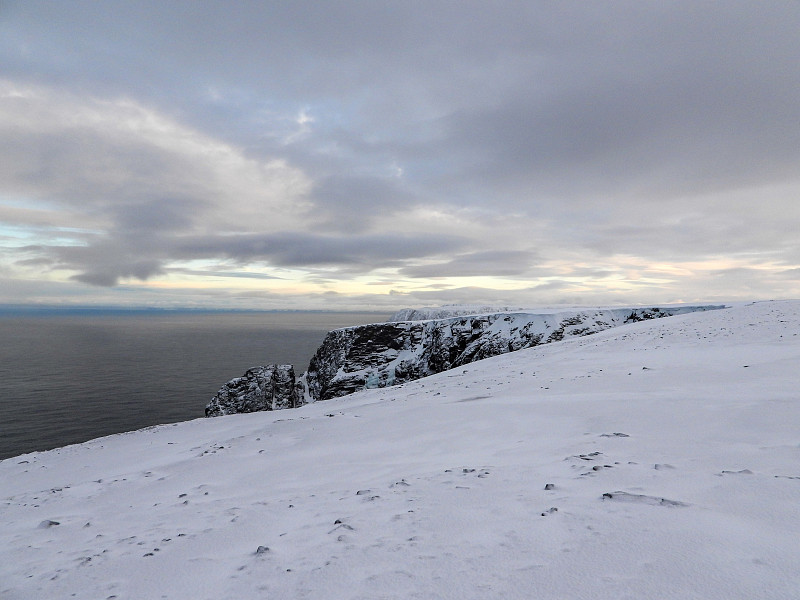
(655, 460)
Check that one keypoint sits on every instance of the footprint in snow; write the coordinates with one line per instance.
(47, 524)
(367, 495)
(641, 499)
(587, 457)
(339, 524)
(469, 471)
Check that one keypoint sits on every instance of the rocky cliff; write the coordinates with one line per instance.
(272, 387)
(385, 354)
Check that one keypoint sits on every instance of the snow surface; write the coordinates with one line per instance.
(448, 310)
(672, 448)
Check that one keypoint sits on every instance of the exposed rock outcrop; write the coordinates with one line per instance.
(272, 387)
(385, 354)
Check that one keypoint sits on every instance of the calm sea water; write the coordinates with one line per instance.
(68, 378)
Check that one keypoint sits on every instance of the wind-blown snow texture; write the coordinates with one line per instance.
(386, 354)
(656, 460)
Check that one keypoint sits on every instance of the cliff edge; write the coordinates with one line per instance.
(391, 353)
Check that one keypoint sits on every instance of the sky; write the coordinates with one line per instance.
(374, 155)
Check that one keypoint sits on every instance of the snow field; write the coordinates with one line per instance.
(672, 448)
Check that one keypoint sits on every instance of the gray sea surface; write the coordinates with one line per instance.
(67, 377)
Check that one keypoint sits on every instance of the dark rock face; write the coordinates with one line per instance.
(262, 388)
(386, 354)
(643, 314)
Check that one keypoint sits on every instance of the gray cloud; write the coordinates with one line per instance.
(223, 274)
(790, 274)
(494, 262)
(104, 262)
(323, 136)
(350, 203)
(298, 249)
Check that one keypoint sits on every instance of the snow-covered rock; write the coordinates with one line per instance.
(447, 311)
(272, 387)
(386, 354)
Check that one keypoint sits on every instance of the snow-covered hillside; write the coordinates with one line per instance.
(387, 354)
(656, 460)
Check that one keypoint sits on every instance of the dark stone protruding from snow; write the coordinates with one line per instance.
(262, 388)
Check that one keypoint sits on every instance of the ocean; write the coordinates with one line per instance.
(67, 377)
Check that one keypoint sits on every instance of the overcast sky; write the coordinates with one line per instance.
(389, 154)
